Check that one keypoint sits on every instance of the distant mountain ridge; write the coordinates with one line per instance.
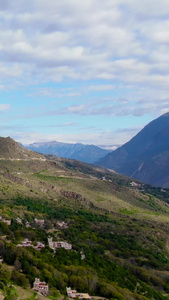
(81, 152)
(146, 156)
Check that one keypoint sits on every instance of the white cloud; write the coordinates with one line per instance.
(4, 107)
(64, 46)
(109, 138)
(105, 87)
(76, 109)
(85, 40)
(68, 124)
(121, 46)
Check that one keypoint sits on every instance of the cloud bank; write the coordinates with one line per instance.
(84, 59)
(117, 40)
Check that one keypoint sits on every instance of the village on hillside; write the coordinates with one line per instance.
(43, 289)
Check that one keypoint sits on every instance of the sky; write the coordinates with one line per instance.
(92, 72)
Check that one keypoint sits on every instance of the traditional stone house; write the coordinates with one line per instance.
(39, 246)
(64, 245)
(19, 220)
(27, 224)
(39, 222)
(135, 184)
(25, 243)
(40, 287)
(8, 222)
(59, 244)
(83, 256)
(74, 294)
(62, 224)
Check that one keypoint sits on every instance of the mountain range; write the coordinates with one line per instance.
(81, 152)
(146, 156)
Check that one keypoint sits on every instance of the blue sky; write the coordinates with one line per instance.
(93, 71)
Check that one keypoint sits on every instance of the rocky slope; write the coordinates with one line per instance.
(10, 149)
(144, 157)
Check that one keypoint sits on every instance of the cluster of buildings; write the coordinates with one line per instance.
(28, 224)
(135, 184)
(53, 245)
(74, 294)
(38, 222)
(56, 245)
(20, 221)
(43, 288)
(62, 224)
(27, 243)
(104, 179)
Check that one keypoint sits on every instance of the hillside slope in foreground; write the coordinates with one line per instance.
(117, 229)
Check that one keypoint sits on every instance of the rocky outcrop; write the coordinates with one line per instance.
(15, 179)
(71, 195)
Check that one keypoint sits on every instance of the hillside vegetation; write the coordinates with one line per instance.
(118, 229)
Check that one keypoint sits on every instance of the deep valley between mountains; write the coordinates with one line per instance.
(64, 223)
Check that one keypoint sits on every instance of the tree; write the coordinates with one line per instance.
(11, 293)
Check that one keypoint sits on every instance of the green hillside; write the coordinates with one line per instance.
(118, 230)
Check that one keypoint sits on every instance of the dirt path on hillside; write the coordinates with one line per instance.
(1, 296)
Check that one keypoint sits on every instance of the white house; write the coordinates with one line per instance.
(55, 245)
